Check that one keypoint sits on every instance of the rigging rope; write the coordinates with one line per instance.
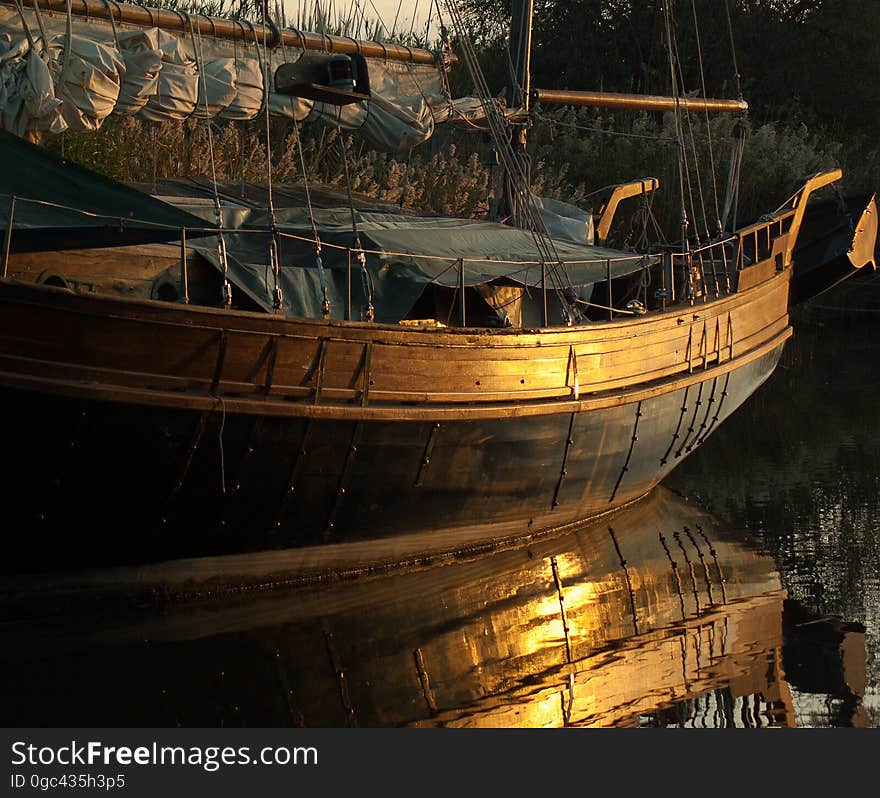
(325, 299)
(367, 283)
(273, 254)
(25, 26)
(683, 171)
(412, 21)
(551, 264)
(676, 117)
(695, 154)
(708, 125)
(548, 120)
(733, 50)
(738, 144)
(43, 36)
(226, 289)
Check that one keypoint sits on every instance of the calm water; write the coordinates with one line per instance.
(799, 468)
(744, 593)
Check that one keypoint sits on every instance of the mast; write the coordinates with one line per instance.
(520, 46)
(518, 94)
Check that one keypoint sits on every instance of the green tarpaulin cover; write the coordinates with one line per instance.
(404, 254)
(61, 205)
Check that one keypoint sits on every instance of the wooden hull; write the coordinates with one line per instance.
(144, 431)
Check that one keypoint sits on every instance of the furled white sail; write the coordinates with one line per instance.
(28, 105)
(87, 75)
(143, 62)
(218, 87)
(93, 68)
(177, 90)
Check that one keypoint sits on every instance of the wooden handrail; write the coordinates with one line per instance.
(620, 193)
(799, 204)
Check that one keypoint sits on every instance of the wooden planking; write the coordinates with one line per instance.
(66, 330)
(132, 268)
(129, 271)
(757, 274)
(244, 368)
(398, 407)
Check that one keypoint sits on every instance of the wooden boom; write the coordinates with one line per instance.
(236, 30)
(644, 102)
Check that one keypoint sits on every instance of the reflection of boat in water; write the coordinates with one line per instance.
(657, 615)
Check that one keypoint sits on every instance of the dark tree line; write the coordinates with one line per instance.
(806, 60)
(808, 69)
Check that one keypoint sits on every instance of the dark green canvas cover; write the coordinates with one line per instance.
(404, 254)
(76, 208)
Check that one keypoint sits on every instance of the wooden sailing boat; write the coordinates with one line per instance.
(146, 430)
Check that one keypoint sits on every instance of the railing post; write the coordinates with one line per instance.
(184, 271)
(664, 293)
(544, 317)
(610, 295)
(702, 267)
(7, 241)
(726, 267)
(715, 282)
(348, 289)
(688, 269)
(461, 301)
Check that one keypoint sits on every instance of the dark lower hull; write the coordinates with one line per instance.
(88, 484)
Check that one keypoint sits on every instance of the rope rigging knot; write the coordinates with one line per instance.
(367, 312)
(325, 300)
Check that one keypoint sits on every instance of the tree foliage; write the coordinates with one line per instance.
(817, 59)
(808, 69)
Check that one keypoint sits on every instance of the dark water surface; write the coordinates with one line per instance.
(754, 601)
(798, 467)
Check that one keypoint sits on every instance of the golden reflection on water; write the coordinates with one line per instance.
(611, 637)
(658, 615)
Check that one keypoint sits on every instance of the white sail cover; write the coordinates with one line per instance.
(160, 75)
(87, 75)
(177, 91)
(218, 81)
(143, 62)
(247, 103)
(565, 221)
(28, 105)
